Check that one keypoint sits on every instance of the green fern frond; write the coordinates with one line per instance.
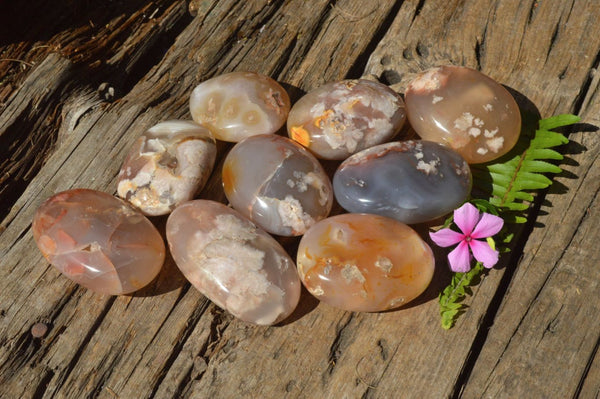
(507, 184)
(504, 188)
(451, 298)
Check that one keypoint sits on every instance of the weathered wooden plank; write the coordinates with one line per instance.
(63, 86)
(169, 341)
(93, 353)
(536, 68)
(546, 335)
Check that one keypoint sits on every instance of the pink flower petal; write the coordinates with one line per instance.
(460, 258)
(484, 253)
(446, 237)
(466, 217)
(488, 226)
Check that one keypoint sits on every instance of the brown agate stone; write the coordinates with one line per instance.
(465, 110)
(98, 241)
(167, 165)
(362, 262)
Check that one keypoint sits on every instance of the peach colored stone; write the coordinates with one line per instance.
(465, 110)
(98, 241)
(234, 263)
(239, 105)
(363, 262)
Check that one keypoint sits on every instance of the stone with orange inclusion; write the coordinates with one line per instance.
(98, 241)
(362, 262)
(339, 119)
(299, 134)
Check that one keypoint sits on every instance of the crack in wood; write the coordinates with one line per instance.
(358, 67)
(337, 346)
(553, 39)
(417, 11)
(585, 87)
(480, 48)
(211, 346)
(65, 373)
(181, 340)
(40, 390)
(533, 9)
(586, 370)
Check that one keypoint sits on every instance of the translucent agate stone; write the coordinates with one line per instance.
(98, 241)
(277, 184)
(235, 264)
(365, 263)
(167, 165)
(239, 105)
(411, 181)
(465, 110)
(338, 119)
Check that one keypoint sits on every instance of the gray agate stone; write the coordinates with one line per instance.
(410, 181)
(277, 183)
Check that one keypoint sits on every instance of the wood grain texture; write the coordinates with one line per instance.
(532, 326)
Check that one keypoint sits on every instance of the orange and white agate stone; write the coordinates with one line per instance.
(364, 262)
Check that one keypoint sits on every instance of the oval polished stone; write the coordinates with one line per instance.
(277, 184)
(362, 262)
(98, 241)
(240, 104)
(465, 110)
(167, 165)
(411, 181)
(235, 264)
(338, 119)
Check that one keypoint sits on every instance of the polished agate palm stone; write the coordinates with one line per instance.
(338, 119)
(235, 264)
(365, 263)
(411, 181)
(167, 165)
(465, 110)
(239, 105)
(98, 241)
(277, 184)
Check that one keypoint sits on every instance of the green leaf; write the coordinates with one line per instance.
(558, 121)
(451, 297)
(508, 184)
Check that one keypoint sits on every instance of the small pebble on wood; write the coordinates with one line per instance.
(234, 263)
(38, 330)
(277, 183)
(465, 110)
(239, 105)
(98, 241)
(362, 262)
(167, 165)
(412, 181)
(338, 119)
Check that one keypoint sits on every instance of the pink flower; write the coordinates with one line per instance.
(474, 227)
